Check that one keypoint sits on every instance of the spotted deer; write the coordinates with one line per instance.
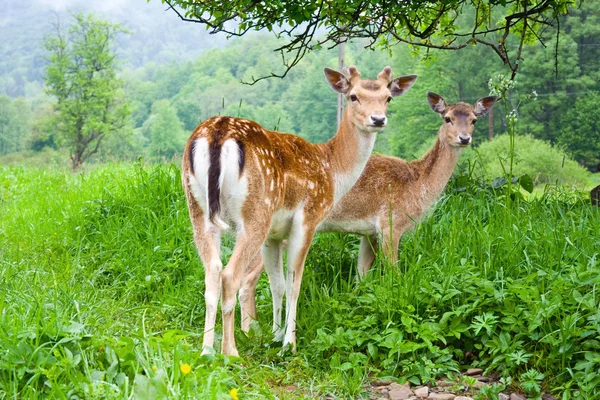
(267, 186)
(391, 194)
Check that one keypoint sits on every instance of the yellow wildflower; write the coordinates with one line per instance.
(154, 368)
(233, 393)
(185, 368)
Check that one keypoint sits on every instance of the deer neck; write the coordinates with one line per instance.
(436, 167)
(348, 152)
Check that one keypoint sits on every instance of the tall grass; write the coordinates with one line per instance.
(102, 296)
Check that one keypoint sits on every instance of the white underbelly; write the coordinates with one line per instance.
(367, 227)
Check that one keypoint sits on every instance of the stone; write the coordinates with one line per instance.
(399, 392)
(444, 384)
(463, 398)
(516, 396)
(503, 396)
(382, 382)
(473, 371)
(479, 384)
(483, 379)
(441, 396)
(422, 392)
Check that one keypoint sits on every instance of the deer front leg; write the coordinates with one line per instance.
(246, 248)
(247, 294)
(299, 242)
(366, 255)
(272, 252)
(389, 245)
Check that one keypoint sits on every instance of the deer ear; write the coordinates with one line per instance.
(485, 104)
(338, 81)
(401, 84)
(436, 102)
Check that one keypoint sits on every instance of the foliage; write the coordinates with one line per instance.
(544, 163)
(15, 117)
(102, 296)
(430, 25)
(165, 132)
(81, 76)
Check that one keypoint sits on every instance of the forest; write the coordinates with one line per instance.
(553, 100)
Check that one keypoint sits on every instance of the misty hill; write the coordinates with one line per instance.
(158, 35)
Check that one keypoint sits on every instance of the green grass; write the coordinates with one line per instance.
(101, 296)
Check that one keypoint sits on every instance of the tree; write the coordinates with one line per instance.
(15, 116)
(434, 24)
(165, 131)
(81, 75)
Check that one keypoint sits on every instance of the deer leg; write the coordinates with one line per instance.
(299, 242)
(389, 246)
(246, 248)
(272, 252)
(247, 294)
(208, 242)
(366, 255)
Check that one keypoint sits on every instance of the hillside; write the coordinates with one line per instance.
(157, 35)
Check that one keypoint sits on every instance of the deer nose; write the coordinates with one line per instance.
(378, 121)
(464, 139)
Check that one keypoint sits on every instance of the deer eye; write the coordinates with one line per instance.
(389, 99)
(353, 97)
(447, 119)
(473, 122)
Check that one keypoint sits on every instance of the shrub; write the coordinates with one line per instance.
(537, 158)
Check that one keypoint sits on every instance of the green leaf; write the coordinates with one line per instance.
(526, 183)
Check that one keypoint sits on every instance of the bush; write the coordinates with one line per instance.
(537, 158)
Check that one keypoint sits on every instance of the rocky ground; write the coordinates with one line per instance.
(467, 387)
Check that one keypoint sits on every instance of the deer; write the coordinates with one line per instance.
(391, 195)
(265, 186)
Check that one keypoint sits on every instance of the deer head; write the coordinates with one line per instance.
(459, 118)
(368, 100)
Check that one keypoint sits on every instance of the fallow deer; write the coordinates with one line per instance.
(392, 194)
(267, 186)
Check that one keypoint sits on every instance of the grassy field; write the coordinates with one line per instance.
(101, 297)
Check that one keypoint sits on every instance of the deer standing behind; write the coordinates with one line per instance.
(267, 186)
(392, 194)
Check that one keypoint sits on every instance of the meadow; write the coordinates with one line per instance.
(101, 296)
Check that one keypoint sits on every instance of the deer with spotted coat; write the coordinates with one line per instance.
(391, 195)
(267, 186)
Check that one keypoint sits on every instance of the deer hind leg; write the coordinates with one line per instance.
(366, 254)
(208, 242)
(246, 248)
(299, 242)
(247, 294)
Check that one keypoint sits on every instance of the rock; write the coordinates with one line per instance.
(399, 392)
(473, 371)
(384, 391)
(463, 398)
(443, 384)
(483, 379)
(422, 392)
(503, 396)
(479, 384)
(516, 396)
(382, 382)
(441, 396)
